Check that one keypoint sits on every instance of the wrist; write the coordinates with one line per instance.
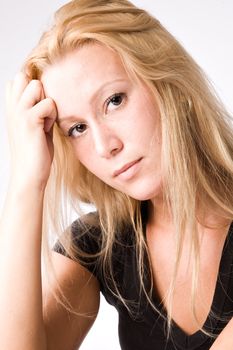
(21, 189)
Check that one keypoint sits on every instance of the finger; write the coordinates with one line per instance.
(32, 94)
(47, 112)
(48, 124)
(19, 84)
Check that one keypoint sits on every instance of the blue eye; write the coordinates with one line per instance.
(115, 101)
(77, 130)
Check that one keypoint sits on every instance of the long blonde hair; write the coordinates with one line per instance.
(197, 135)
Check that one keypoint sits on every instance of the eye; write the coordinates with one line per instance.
(77, 130)
(114, 101)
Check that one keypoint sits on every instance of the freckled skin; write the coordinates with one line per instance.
(116, 132)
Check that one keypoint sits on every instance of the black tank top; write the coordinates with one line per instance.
(140, 326)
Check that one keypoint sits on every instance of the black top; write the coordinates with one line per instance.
(143, 328)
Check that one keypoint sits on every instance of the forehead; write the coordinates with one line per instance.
(90, 65)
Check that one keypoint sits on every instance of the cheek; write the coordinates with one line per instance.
(80, 152)
(86, 157)
(147, 130)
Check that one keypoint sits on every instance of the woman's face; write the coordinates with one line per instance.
(112, 122)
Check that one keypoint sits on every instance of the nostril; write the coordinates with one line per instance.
(115, 151)
(117, 148)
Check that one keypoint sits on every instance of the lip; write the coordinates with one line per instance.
(126, 167)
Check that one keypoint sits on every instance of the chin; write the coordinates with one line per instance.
(141, 190)
(146, 187)
(143, 194)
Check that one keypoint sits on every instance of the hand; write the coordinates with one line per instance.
(30, 119)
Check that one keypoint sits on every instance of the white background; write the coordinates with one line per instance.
(205, 28)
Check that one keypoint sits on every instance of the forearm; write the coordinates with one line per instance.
(21, 320)
(225, 339)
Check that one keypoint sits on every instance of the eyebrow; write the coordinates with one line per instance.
(93, 97)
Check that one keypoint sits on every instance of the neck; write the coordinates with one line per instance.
(159, 215)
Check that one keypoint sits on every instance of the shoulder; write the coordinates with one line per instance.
(82, 236)
(86, 235)
(86, 241)
(88, 228)
(90, 220)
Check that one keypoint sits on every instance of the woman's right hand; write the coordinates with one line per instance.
(30, 119)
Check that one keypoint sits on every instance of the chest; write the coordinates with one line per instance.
(162, 252)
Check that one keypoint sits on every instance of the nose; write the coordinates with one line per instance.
(106, 142)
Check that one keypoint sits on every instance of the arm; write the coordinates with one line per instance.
(30, 119)
(24, 322)
(65, 329)
(225, 338)
(52, 327)
(21, 323)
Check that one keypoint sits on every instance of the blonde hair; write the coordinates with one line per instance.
(197, 135)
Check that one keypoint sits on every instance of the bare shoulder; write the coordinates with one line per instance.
(66, 329)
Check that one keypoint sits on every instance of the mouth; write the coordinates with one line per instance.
(126, 168)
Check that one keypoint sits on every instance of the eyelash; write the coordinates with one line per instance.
(107, 103)
(111, 98)
(71, 130)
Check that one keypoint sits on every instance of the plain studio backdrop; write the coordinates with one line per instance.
(205, 28)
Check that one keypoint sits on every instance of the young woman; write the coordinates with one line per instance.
(111, 110)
